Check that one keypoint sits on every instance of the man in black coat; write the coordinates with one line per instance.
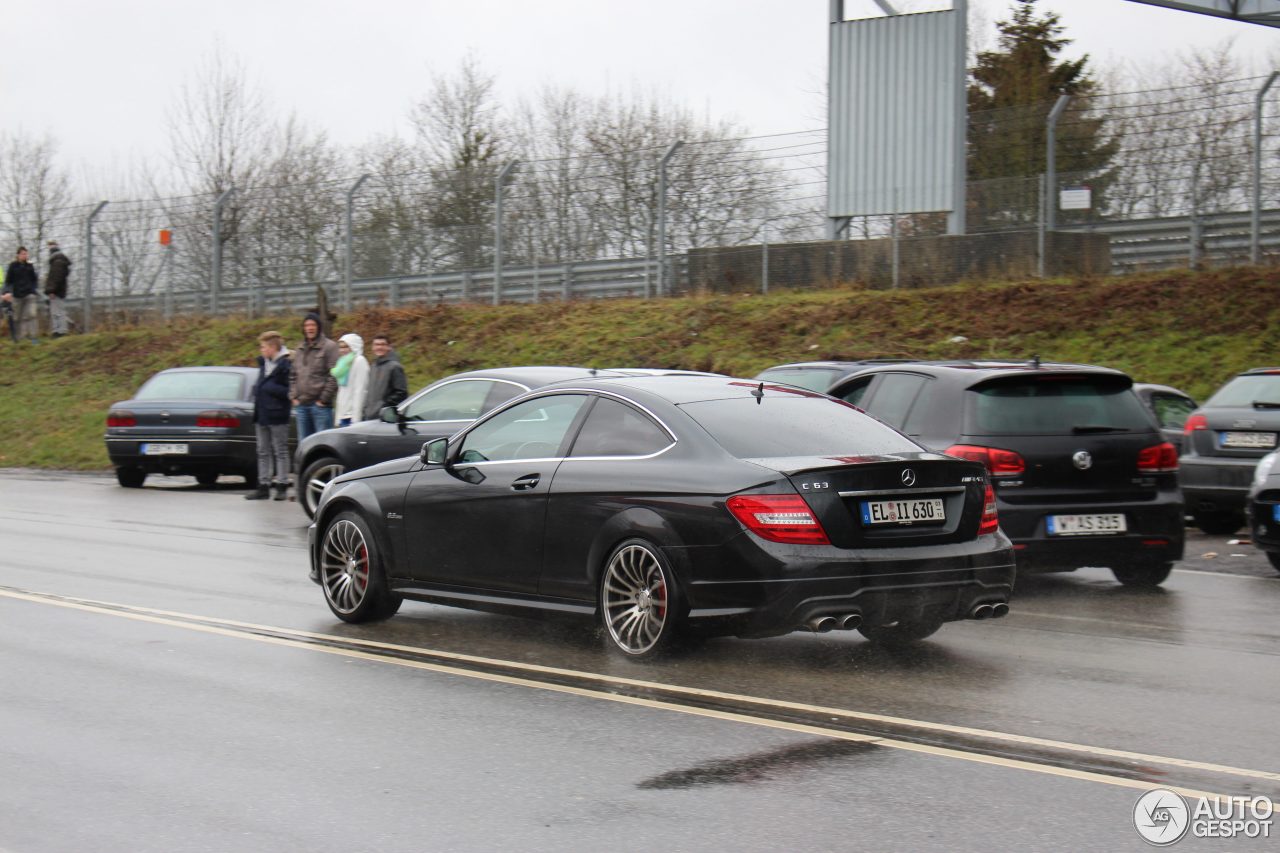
(55, 287)
(271, 407)
(22, 293)
(388, 385)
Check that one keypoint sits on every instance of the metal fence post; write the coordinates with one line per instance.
(498, 184)
(350, 239)
(662, 216)
(1040, 225)
(764, 258)
(1051, 157)
(1255, 231)
(216, 283)
(896, 245)
(1193, 251)
(168, 281)
(88, 265)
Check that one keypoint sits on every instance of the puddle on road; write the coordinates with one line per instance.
(758, 767)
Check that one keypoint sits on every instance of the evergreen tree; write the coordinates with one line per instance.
(1011, 91)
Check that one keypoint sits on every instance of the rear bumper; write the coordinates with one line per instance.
(786, 586)
(231, 453)
(1155, 533)
(1215, 484)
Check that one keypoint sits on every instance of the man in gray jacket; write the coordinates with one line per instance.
(312, 388)
(387, 383)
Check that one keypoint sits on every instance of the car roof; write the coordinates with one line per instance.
(237, 368)
(835, 365)
(534, 376)
(681, 388)
(1263, 370)
(979, 371)
(1164, 389)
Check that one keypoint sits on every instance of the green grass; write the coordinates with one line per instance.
(1191, 330)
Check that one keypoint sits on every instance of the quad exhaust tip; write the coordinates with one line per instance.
(982, 611)
(821, 624)
(850, 621)
(999, 609)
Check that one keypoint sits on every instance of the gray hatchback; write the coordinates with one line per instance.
(1222, 443)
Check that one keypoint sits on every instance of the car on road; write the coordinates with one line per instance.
(440, 409)
(1263, 508)
(1082, 475)
(1223, 441)
(1169, 406)
(195, 421)
(664, 506)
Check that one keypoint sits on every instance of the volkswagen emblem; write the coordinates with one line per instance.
(1082, 460)
(908, 477)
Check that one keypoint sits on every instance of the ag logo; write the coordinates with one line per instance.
(908, 477)
(1082, 460)
(1161, 817)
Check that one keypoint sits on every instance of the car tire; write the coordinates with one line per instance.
(1274, 559)
(352, 573)
(130, 476)
(901, 633)
(641, 607)
(207, 478)
(1219, 523)
(1143, 574)
(314, 478)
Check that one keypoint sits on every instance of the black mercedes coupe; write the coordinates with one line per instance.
(664, 506)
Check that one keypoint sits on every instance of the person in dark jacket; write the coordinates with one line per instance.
(271, 417)
(387, 382)
(314, 388)
(22, 292)
(55, 288)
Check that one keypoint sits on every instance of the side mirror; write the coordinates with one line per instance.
(435, 452)
(389, 415)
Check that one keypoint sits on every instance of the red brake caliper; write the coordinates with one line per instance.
(363, 579)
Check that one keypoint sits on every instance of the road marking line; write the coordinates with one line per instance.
(227, 628)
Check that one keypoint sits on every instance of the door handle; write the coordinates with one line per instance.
(528, 481)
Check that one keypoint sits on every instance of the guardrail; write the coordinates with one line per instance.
(1218, 239)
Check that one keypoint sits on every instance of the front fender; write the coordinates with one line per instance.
(381, 509)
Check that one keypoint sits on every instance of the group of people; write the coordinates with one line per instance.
(320, 382)
(20, 295)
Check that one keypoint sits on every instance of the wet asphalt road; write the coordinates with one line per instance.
(131, 719)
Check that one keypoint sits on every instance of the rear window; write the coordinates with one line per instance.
(1055, 405)
(810, 378)
(196, 385)
(1246, 390)
(795, 426)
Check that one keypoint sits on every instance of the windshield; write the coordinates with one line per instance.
(193, 385)
(1055, 405)
(810, 378)
(795, 426)
(1244, 391)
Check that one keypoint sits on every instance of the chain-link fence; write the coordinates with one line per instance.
(1093, 186)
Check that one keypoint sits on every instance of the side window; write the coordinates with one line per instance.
(456, 401)
(616, 429)
(853, 394)
(500, 393)
(1171, 411)
(894, 397)
(534, 429)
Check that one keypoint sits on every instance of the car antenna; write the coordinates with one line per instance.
(1035, 362)
(591, 370)
(758, 393)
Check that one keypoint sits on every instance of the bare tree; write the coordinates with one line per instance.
(34, 191)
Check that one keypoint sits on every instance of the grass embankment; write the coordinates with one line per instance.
(1190, 330)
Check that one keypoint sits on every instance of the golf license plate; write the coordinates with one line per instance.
(1250, 440)
(1086, 525)
(163, 449)
(916, 510)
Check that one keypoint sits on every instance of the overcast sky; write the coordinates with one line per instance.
(99, 76)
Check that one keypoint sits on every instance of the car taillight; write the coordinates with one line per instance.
(1158, 459)
(990, 518)
(217, 419)
(121, 419)
(1194, 423)
(1000, 463)
(778, 518)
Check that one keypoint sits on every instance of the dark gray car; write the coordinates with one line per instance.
(1170, 407)
(1222, 443)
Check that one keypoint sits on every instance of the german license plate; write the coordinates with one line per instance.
(915, 511)
(1086, 525)
(163, 449)
(1250, 440)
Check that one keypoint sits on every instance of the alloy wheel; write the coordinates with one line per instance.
(344, 566)
(317, 477)
(635, 599)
